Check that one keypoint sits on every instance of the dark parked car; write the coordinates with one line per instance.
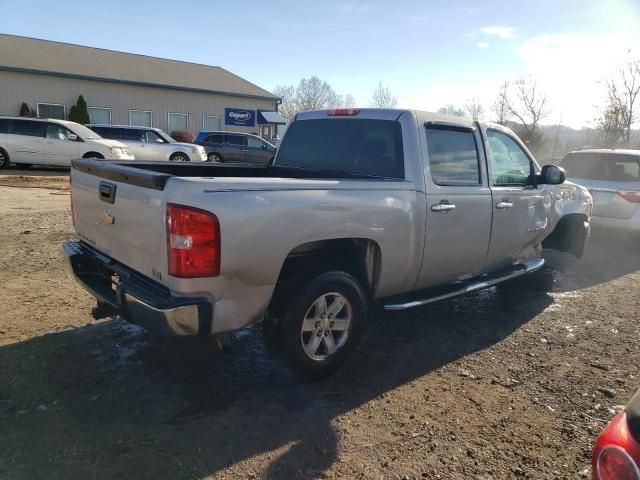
(616, 455)
(236, 147)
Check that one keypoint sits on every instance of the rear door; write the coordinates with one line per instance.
(458, 205)
(135, 138)
(520, 211)
(235, 148)
(26, 141)
(59, 149)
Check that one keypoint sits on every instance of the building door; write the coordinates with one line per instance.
(265, 132)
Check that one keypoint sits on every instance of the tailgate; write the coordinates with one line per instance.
(123, 220)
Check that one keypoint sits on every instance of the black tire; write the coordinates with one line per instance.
(23, 166)
(299, 305)
(95, 155)
(179, 157)
(4, 159)
(214, 157)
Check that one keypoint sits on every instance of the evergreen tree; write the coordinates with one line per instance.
(79, 113)
(25, 111)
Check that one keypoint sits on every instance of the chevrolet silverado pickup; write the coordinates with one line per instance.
(359, 205)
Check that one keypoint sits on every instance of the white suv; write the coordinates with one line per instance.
(30, 141)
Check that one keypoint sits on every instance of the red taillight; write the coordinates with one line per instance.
(630, 195)
(193, 242)
(343, 112)
(614, 463)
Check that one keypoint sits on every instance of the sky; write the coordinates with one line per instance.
(429, 53)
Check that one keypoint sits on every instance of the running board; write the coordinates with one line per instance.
(528, 267)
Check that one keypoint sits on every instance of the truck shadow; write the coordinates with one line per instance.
(111, 401)
(608, 256)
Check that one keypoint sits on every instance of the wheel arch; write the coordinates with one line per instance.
(569, 234)
(361, 257)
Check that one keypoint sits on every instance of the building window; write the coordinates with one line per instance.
(51, 110)
(100, 115)
(140, 118)
(178, 122)
(211, 123)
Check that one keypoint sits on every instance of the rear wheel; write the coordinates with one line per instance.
(323, 323)
(214, 157)
(4, 159)
(93, 155)
(179, 157)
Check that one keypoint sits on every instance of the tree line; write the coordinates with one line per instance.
(521, 105)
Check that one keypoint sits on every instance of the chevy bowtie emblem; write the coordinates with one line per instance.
(107, 218)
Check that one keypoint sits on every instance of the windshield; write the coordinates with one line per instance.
(83, 132)
(367, 147)
(166, 137)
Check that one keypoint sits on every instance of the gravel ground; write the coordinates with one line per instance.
(500, 384)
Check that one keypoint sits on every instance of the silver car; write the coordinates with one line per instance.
(613, 177)
(148, 143)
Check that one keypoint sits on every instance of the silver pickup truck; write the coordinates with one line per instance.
(397, 206)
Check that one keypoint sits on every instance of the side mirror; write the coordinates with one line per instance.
(552, 175)
(73, 137)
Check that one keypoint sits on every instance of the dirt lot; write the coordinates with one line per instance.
(494, 385)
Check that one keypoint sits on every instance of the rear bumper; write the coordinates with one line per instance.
(136, 298)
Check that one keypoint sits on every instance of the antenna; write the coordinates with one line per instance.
(553, 156)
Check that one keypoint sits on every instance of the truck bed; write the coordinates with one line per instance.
(155, 174)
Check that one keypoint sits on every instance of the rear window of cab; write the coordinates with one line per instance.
(612, 167)
(360, 146)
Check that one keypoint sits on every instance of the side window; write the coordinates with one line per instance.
(132, 134)
(237, 140)
(453, 156)
(153, 137)
(214, 139)
(4, 125)
(28, 128)
(510, 165)
(57, 132)
(253, 142)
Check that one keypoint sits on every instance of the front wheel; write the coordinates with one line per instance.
(214, 157)
(323, 323)
(4, 160)
(179, 157)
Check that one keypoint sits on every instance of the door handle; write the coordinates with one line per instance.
(502, 205)
(244, 150)
(442, 207)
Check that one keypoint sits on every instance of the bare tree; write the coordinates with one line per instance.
(473, 109)
(315, 94)
(311, 94)
(610, 126)
(622, 94)
(287, 94)
(347, 101)
(500, 107)
(452, 110)
(383, 98)
(528, 105)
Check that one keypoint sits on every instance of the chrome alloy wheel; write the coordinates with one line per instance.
(326, 326)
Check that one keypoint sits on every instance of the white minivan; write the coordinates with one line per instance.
(29, 141)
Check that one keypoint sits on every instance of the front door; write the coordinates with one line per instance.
(458, 205)
(520, 211)
(235, 148)
(256, 152)
(59, 149)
